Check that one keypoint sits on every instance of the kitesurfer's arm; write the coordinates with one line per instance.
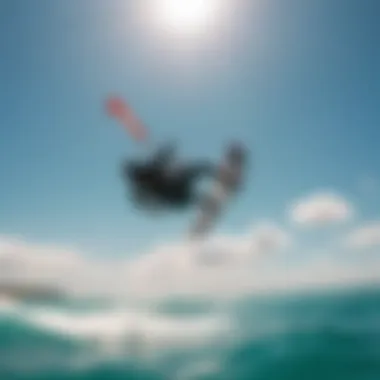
(164, 156)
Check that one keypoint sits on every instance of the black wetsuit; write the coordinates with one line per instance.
(157, 182)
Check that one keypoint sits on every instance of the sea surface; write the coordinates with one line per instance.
(322, 335)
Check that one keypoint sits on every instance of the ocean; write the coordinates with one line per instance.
(322, 335)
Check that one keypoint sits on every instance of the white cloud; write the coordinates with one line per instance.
(269, 238)
(365, 237)
(321, 209)
(242, 249)
(22, 262)
(19, 259)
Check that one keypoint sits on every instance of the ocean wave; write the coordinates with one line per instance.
(77, 339)
(330, 337)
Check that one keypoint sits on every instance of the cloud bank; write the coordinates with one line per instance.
(259, 260)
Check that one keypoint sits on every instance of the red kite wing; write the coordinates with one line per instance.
(118, 109)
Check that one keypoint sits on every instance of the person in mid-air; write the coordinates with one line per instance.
(162, 182)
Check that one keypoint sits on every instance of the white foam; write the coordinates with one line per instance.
(116, 329)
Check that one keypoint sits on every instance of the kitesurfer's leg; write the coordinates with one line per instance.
(209, 210)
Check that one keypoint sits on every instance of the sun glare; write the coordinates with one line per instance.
(190, 16)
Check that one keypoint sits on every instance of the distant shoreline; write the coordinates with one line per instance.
(30, 292)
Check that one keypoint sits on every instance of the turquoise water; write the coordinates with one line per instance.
(316, 336)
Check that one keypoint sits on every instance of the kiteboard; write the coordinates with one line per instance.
(222, 189)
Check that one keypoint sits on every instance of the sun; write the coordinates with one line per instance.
(187, 16)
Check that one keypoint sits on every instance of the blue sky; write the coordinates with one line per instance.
(297, 80)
